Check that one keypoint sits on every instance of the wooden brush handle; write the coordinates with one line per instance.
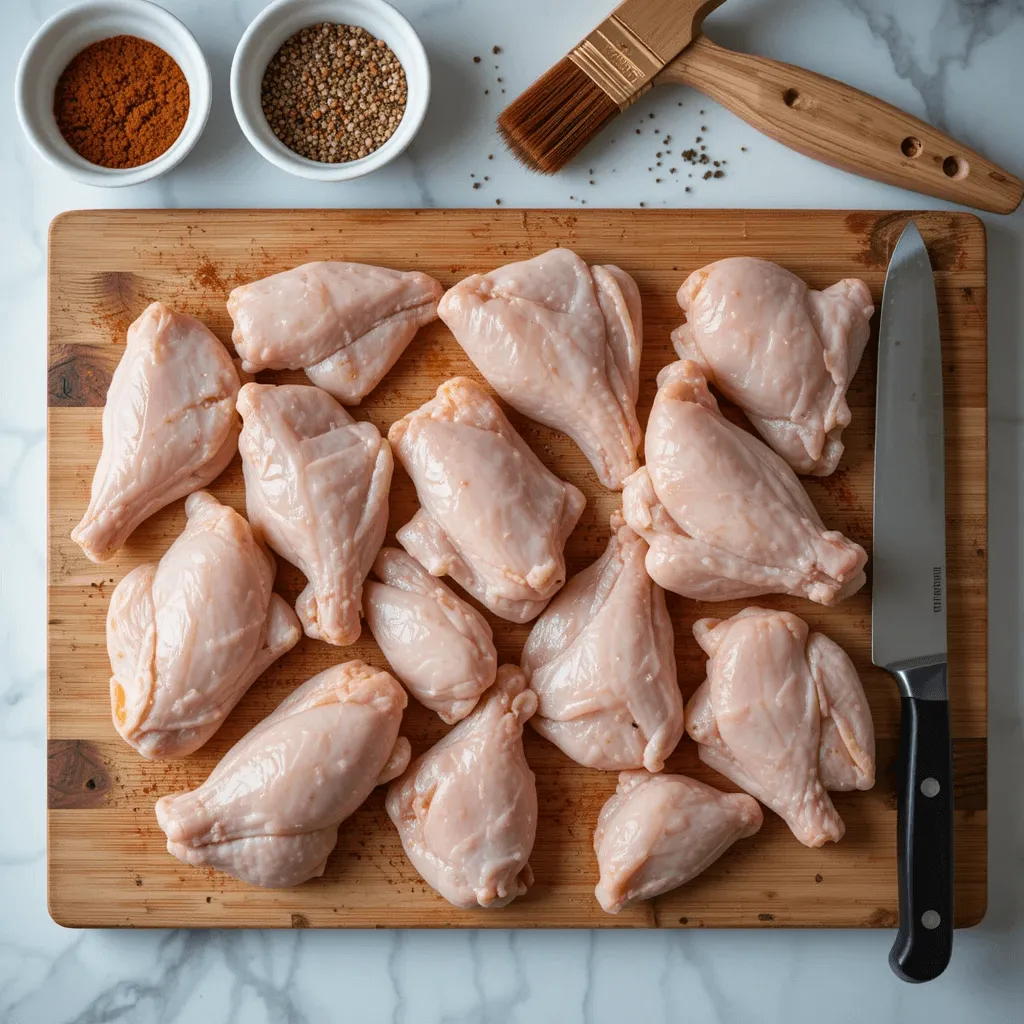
(844, 127)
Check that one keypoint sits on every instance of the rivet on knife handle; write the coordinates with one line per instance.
(844, 127)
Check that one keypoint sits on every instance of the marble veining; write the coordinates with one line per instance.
(954, 62)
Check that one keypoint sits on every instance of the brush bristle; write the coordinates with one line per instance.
(556, 117)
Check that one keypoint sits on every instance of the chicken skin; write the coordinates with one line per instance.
(602, 662)
(169, 426)
(440, 647)
(560, 342)
(782, 713)
(466, 810)
(785, 354)
(189, 636)
(725, 517)
(660, 831)
(492, 516)
(316, 484)
(345, 324)
(269, 812)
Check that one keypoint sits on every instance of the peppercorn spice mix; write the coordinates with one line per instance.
(334, 93)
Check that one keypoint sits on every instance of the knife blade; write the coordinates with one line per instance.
(908, 601)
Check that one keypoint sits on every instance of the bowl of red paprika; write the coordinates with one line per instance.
(113, 92)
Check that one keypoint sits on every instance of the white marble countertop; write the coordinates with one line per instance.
(956, 62)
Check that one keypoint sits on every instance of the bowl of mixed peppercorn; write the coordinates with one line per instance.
(330, 89)
(113, 92)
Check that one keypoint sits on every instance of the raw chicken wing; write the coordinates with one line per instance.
(785, 354)
(345, 324)
(189, 636)
(169, 426)
(602, 662)
(493, 517)
(724, 516)
(783, 715)
(316, 484)
(269, 812)
(560, 342)
(466, 810)
(660, 831)
(438, 646)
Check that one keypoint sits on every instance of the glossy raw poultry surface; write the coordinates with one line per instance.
(492, 516)
(169, 426)
(724, 515)
(345, 324)
(269, 812)
(316, 484)
(601, 659)
(660, 831)
(560, 342)
(189, 636)
(784, 353)
(466, 810)
(439, 646)
(783, 714)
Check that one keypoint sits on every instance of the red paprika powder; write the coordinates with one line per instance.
(121, 102)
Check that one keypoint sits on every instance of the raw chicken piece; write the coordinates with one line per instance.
(466, 810)
(438, 646)
(269, 812)
(492, 517)
(560, 342)
(725, 517)
(189, 636)
(316, 484)
(602, 662)
(660, 831)
(345, 324)
(784, 716)
(169, 426)
(785, 354)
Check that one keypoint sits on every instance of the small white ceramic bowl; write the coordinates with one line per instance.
(281, 20)
(71, 31)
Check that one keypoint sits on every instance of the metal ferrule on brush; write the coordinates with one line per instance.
(617, 61)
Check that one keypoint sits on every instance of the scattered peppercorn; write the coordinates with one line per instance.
(743, 149)
(121, 102)
(476, 184)
(688, 189)
(334, 93)
(707, 174)
(490, 156)
(497, 202)
(476, 60)
(703, 127)
(495, 49)
(719, 174)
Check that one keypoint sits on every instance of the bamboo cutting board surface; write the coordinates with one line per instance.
(106, 859)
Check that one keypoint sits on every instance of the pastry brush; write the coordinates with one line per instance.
(643, 43)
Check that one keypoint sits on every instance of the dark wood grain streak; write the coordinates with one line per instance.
(77, 775)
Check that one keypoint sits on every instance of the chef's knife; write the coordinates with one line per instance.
(908, 602)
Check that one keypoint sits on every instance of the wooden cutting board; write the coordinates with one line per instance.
(106, 859)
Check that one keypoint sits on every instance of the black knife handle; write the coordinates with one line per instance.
(924, 832)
